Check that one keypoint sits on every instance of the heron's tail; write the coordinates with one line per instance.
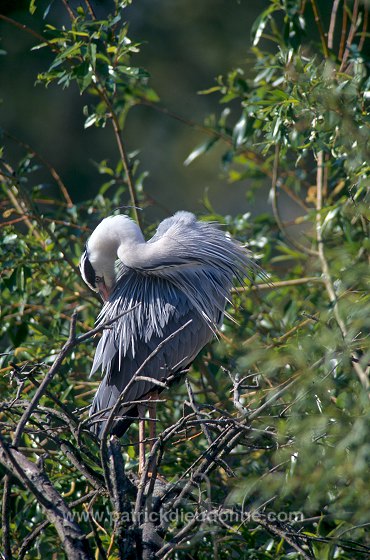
(105, 398)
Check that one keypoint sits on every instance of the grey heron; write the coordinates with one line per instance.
(182, 275)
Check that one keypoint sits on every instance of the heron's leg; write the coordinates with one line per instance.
(152, 407)
(141, 412)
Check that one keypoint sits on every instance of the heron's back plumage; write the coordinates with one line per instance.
(184, 273)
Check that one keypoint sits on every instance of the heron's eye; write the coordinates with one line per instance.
(87, 271)
(98, 279)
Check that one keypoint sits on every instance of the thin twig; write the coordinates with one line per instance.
(94, 529)
(275, 207)
(188, 122)
(344, 31)
(155, 459)
(333, 18)
(364, 27)
(121, 148)
(7, 488)
(47, 379)
(273, 285)
(197, 412)
(102, 326)
(69, 10)
(126, 166)
(27, 543)
(19, 206)
(203, 425)
(90, 9)
(275, 530)
(51, 169)
(24, 206)
(351, 34)
(255, 413)
(29, 30)
(182, 535)
(152, 380)
(291, 331)
(328, 282)
(320, 28)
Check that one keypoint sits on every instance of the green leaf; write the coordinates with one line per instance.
(239, 130)
(260, 24)
(32, 7)
(91, 119)
(200, 150)
(212, 89)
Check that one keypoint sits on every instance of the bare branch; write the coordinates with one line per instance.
(5, 517)
(28, 541)
(90, 9)
(320, 28)
(333, 18)
(29, 30)
(52, 170)
(351, 34)
(121, 490)
(364, 27)
(204, 426)
(273, 285)
(69, 10)
(343, 32)
(121, 148)
(56, 510)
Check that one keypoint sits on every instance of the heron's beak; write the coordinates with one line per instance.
(103, 290)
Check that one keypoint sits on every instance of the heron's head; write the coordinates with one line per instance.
(93, 277)
(97, 264)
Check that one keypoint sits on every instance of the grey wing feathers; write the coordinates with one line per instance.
(204, 262)
(190, 278)
(175, 356)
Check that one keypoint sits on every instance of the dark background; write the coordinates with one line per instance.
(185, 45)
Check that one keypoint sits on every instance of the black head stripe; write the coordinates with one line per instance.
(87, 271)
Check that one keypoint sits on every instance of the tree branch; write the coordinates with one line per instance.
(5, 517)
(58, 513)
(121, 490)
(320, 28)
(333, 18)
(351, 34)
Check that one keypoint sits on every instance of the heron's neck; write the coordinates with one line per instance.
(108, 240)
(130, 250)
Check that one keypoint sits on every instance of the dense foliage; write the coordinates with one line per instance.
(290, 374)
